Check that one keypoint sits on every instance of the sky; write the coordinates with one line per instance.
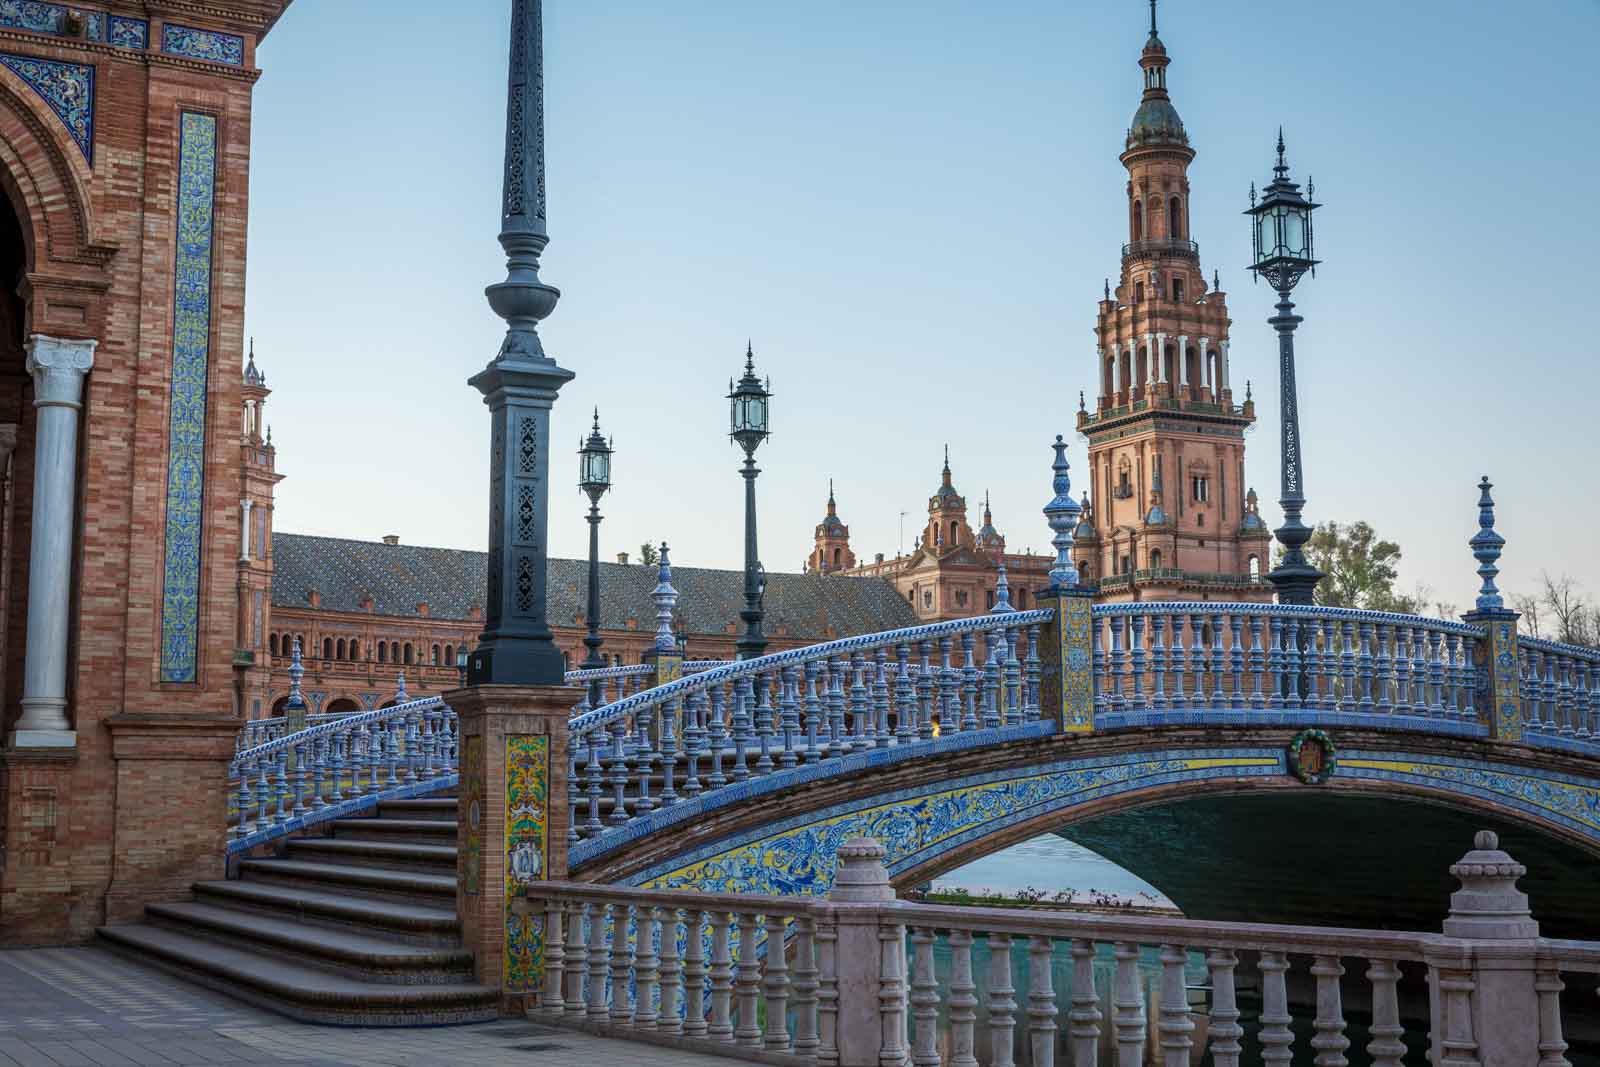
(909, 209)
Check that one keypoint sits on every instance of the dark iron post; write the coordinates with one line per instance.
(749, 408)
(594, 479)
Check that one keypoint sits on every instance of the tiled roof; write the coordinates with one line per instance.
(452, 581)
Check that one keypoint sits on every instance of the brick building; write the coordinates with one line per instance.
(124, 163)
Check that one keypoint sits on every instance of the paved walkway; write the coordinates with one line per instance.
(86, 1007)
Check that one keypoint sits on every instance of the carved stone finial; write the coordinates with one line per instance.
(666, 598)
(862, 877)
(297, 671)
(1062, 516)
(1002, 593)
(1486, 545)
(400, 694)
(1489, 904)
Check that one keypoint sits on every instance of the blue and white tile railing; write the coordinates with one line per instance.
(756, 717)
(339, 767)
(1560, 692)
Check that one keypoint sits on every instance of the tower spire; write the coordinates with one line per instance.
(946, 472)
(833, 509)
(1152, 18)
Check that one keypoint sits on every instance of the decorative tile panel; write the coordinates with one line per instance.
(67, 87)
(472, 797)
(527, 855)
(209, 45)
(1077, 667)
(129, 33)
(186, 427)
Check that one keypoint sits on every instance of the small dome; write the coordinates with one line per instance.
(1156, 516)
(1252, 521)
(831, 524)
(1156, 121)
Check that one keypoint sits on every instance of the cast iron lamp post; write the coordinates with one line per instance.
(1281, 231)
(594, 478)
(748, 412)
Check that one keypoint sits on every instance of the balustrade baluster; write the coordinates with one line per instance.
(721, 974)
(747, 982)
(925, 712)
(411, 737)
(1419, 670)
(970, 680)
(1034, 671)
(1258, 661)
(338, 743)
(1569, 726)
(1385, 1048)
(1384, 668)
(1436, 706)
(815, 722)
(1197, 660)
(1329, 1040)
(1275, 665)
(905, 697)
(621, 958)
(593, 779)
(396, 746)
(599, 916)
(576, 963)
(924, 1000)
(1002, 1002)
(1347, 665)
(281, 786)
(1277, 1040)
(246, 821)
(694, 973)
(1528, 673)
(1458, 1044)
(647, 728)
(949, 690)
(1548, 985)
(646, 966)
(1294, 673)
(554, 958)
(1119, 663)
(1101, 670)
(1176, 680)
(1402, 670)
(1175, 1026)
(828, 994)
(743, 697)
(1158, 662)
(766, 721)
(1011, 677)
(776, 984)
(1224, 1029)
(1128, 1005)
(882, 735)
(1586, 702)
(1552, 708)
(302, 777)
(806, 985)
(1042, 1002)
(717, 738)
(963, 1001)
(262, 767)
(1137, 655)
(788, 717)
(1330, 665)
(669, 751)
(860, 704)
(1367, 666)
(1085, 1015)
(1219, 699)
(694, 741)
(1236, 658)
(1455, 645)
(619, 772)
(991, 682)
(669, 970)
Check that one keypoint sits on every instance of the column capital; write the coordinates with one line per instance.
(58, 366)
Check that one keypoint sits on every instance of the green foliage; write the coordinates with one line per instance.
(1361, 569)
(648, 554)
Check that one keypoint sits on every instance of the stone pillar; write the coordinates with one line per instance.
(1485, 1005)
(1183, 360)
(1150, 360)
(244, 530)
(1205, 362)
(1222, 367)
(512, 814)
(871, 955)
(58, 367)
(1161, 359)
(1496, 654)
(1066, 679)
(1116, 369)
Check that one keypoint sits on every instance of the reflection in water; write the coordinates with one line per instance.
(1051, 864)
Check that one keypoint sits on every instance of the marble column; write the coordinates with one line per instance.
(244, 529)
(1205, 363)
(1183, 360)
(1222, 367)
(1161, 359)
(58, 366)
(1150, 360)
(1116, 370)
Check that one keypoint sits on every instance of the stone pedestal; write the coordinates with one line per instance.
(1501, 709)
(871, 955)
(37, 892)
(512, 816)
(171, 812)
(1066, 653)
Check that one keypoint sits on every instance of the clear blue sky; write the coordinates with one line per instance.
(910, 208)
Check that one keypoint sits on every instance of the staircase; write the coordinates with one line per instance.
(356, 928)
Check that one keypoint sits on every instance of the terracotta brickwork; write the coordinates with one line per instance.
(124, 812)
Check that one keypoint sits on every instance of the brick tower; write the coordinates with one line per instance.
(832, 548)
(258, 459)
(1166, 441)
(947, 527)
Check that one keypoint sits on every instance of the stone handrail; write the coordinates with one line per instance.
(858, 981)
(753, 717)
(340, 767)
(1560, 692)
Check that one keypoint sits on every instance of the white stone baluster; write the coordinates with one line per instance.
(621, 964)
(554, 958)
(892, 989)
(805, 986)
(1458, 1043)
(1175, 1026)
(828, 993)
(963, 1001)
(776, 984)
(1041, 1002)
(721, 973)
(670, 1019)
(1002, 1002)
(647, 967)
(1085, 1015)
(1329, 1040)
(1128, 1005)
(1548, 985)
(924, 1001)
(1385, 1049)
(1225, 1030)
(694, 973)
(597, 961)
(747, 982)
(577, 961)
(1277, 1040)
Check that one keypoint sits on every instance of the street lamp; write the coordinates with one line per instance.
(594, 478)
(749, 410)
(1281, 229)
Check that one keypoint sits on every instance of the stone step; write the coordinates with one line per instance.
(353, 953)
(422, 887)
(340, 909)
(384, 828)
(387, 855)
(299, 991)
(419, 808)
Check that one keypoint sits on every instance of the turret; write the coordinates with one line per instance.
(831, 547)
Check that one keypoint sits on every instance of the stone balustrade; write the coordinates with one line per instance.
(857, 981)
(1560, 693)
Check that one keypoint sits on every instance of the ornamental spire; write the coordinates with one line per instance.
(833, 509)
(946, 473)
(297, 671)
(666, 598)
(1486, 545)
(1062, 514)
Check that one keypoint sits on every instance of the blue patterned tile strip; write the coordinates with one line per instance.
(67, 87)
(186, 435)
(129, 33)
(202, 44)
(48, 18)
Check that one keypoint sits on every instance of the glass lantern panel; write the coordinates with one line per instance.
(1263, 235)
(1294, 233)
(602, 467)
(758, 414)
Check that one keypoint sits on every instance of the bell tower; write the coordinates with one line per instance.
(1166, 440)
(258, 461)
(831, 550)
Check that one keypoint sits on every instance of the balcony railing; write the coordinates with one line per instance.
(1161, 245)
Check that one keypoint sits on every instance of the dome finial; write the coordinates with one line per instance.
(1152, 18)
(1282, 169)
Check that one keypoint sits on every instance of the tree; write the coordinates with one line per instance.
(1573, 618)
(1361, 569)
(648, 554)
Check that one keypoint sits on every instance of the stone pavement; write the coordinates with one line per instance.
(86, 1007)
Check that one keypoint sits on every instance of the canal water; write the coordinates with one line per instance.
(1050, 865)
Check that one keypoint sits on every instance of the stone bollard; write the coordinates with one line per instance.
(871, 962)
(1485, 1004)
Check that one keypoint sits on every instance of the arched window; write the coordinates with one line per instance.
(1142, 369)
(1155, 559)
(1177, 290)
(1138, 292)
(338, 649)
(435, 655)
(383, 652)
(1170, 365)
(1111, 374)
(301, 640)
(1174, 218)
(408, 653)
(953, 531)
(449, 655)
(1127, 369)
(1085, 569)
(1138, 220)
(1254, 563)
(355, 650)
(272, 644)
(394, 651)
(836, 559)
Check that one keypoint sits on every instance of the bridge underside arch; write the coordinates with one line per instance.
(1386, 827)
